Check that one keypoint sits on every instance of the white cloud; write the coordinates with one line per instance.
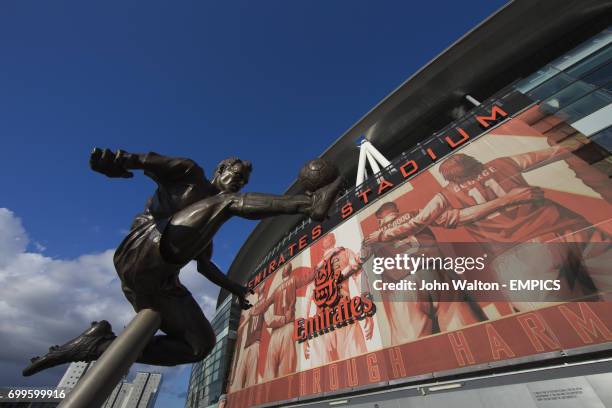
(46, 301)
(39, 247)
(13, 238)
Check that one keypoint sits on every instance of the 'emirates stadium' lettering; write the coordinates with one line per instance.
(408, 169)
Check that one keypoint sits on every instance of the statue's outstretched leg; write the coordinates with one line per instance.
(87, 346)
(189, 338)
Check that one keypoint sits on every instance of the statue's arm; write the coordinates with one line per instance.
(257, 206)
(207, 268)
(156, 166)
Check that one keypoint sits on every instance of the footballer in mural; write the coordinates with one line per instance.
(335, 257)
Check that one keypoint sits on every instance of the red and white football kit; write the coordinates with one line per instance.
(415, 313)
(541, 233)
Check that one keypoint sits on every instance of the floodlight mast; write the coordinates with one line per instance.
(370, 155)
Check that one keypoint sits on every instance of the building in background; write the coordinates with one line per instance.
(140, 393)
(73, 374)
(532, 80)
(208, 378)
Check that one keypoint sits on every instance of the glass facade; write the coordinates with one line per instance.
(576, 88)
(209, 376)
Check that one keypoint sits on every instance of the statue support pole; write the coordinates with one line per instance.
(98, 383)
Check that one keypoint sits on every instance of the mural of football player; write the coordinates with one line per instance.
(536, 230)
(416, 313)
(282, 356)
(244, 372)
(350, 340)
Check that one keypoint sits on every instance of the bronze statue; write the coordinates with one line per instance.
(177, 226)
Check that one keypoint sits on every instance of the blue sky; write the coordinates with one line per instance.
(273, 82)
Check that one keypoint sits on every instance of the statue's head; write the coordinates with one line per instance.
(232, 174)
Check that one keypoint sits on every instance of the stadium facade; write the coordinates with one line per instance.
(208, 379)
(499, 148)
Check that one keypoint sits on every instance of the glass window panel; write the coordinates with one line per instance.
(536, 79)
(604, 139)
(551, 86)
(601, 77)
(577, 63)
(595, 122)
(567, 95)
(590, 63)
(585, 106)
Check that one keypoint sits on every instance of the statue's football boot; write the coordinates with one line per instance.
(323, 198)
(81, 348)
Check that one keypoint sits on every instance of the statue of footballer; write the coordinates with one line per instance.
(178, 225)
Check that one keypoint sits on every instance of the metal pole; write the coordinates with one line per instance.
(472, 100)
(98, 383)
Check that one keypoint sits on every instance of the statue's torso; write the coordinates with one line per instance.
(175, 195)
(169, 199)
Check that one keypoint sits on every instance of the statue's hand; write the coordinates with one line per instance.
(109, 163)
(241, 293)
(323, 198)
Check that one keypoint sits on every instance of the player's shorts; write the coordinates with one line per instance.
(345, 342)
(282, 354)
(246, 373)
(144, 273)
(338, 344)
(407, 320)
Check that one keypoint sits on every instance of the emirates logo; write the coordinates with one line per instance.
(326, 292)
